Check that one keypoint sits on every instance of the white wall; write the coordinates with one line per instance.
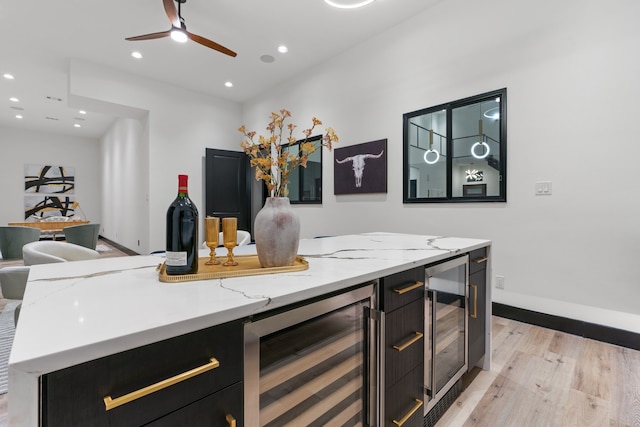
(571, 71)
(125, 184)
(19, 147)
(180, 124)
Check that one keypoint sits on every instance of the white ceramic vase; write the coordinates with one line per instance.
(277, 233)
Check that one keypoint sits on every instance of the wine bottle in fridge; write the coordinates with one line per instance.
(182, 232)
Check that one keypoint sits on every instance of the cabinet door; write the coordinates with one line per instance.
(477, 314)
(221, 409)
(403, 403)
(404, 334)
(401, 288)
(204, 361)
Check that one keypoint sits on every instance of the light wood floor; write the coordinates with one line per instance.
(545, 378)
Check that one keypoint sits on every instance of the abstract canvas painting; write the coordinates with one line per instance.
(49, 179)
(43, 206)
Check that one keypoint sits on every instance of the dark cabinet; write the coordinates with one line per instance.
(402, 301)
(221, 409)
(477, 305)
(140, 385)
(403, 401)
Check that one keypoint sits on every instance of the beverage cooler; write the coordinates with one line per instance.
(446, 326)
(313, 365)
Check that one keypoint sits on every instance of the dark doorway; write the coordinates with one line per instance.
(227, 186)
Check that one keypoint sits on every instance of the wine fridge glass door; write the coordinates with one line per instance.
(446, 359)
(311, 366)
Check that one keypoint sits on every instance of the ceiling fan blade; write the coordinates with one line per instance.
(172, 13)
(150, 36)
(213, 45)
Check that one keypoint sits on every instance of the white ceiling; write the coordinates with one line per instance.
(38, 37)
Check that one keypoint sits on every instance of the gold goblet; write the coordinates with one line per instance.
(212, 228)
(230, 237)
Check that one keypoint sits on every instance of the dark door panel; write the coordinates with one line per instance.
(227, 186)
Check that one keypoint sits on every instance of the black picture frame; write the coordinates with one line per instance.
(361, 168)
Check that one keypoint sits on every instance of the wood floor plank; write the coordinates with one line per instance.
(593, 373)
(625, 395)
(584, 410)
(508, 340)
(469, 400)
(566, 344)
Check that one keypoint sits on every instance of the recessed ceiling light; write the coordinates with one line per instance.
(268, 59)
(82, 112)
(18, 116)
(348, 4)
(228, 84)
(283, 49)
(136, 55)
(14, 99)
(76, 125)
(8, 76)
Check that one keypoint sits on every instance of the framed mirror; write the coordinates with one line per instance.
(456, 152)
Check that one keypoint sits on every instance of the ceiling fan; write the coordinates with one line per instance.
(179, 31)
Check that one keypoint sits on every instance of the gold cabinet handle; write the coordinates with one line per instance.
(480, 260)
(408, 288)
(230, 420)
(411, 412)
(475, 301)
(415, 338)
(114, 403)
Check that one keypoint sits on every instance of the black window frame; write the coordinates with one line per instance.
(304, 173)
(407, 188)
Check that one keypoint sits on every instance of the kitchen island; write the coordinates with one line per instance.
(79, 312)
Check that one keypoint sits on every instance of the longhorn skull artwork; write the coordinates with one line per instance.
(358, 163)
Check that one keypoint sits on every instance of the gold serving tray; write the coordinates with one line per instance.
(248, 265)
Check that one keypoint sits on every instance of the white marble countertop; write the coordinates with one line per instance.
(79, 311)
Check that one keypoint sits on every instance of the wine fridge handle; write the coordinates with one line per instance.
(110, 403)
(409, 414)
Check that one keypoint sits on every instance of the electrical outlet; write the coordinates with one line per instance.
(543, 188)
(499, 282)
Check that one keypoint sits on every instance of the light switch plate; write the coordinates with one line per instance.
(543, 188)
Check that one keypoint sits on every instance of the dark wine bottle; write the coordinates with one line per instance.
(182, 232)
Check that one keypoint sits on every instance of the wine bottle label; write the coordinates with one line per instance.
(176, 259)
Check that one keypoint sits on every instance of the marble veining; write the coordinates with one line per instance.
(244, 294)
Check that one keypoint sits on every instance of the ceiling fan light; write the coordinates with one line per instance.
(179, 35)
